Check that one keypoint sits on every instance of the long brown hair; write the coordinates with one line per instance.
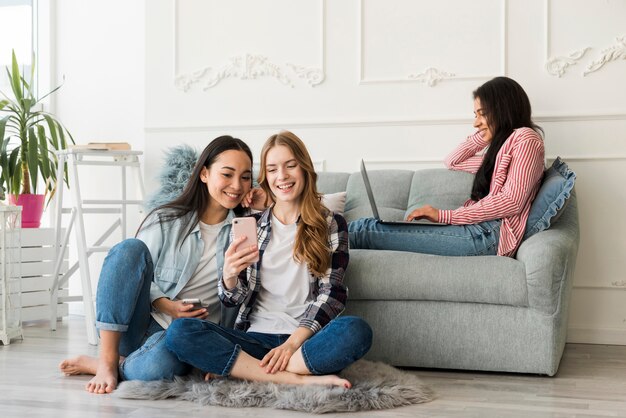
(507, 107)
(312, 245)
(195, 198)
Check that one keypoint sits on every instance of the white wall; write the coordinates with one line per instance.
(352, 79)
(99, 50)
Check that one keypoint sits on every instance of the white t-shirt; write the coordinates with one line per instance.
(285, 290)
(203, 282)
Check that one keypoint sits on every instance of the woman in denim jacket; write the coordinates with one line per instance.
(288, 329)
(178, 254)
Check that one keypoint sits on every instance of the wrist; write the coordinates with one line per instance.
(229, 283)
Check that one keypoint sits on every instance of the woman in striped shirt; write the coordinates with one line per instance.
(507, 178)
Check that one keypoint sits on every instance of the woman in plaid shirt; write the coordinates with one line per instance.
(287, 329)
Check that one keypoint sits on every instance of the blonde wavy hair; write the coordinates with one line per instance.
(312, 245)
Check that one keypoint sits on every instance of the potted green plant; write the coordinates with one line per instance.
(30, 136)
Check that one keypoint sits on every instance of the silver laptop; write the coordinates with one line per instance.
(370, 195)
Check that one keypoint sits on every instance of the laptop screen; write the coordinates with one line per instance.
(368, 189)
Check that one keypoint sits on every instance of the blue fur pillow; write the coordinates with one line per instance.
(178, 162)
(556, 188)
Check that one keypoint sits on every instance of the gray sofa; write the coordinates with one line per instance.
(476, 313)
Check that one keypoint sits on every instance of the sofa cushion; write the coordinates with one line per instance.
(396, 275)
(441, 188)
(336, 202)
(390, 188)
(331, 182)
(552, 197)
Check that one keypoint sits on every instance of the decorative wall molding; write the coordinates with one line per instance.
(379, 123)
(431, 75)
(595, 335)
(250, 66)
(613, 285)
(557, 65)
(612, 53)
(589, 158)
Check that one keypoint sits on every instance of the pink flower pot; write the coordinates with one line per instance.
(32, 208)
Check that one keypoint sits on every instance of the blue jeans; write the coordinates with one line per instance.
(123, 305)
(453, 240)
(214, 349)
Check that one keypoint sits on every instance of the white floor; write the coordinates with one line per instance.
(591, 383)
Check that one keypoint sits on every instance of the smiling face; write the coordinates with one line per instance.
(228, 179)
(480, 121)
(284, 175)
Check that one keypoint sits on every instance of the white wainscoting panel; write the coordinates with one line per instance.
(245, 40)
(423, 44)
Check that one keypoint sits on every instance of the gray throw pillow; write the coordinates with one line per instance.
(178, 163)
(556, 188)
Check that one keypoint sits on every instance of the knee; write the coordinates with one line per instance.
(182, 332)
(131, 252)
(131, 247)
(177, 333)
(361, 334)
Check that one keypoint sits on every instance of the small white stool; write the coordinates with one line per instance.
(74, 158)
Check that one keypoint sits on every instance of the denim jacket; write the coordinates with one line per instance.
(174, 264)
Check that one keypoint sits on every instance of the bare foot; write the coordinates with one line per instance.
(105, 380)
(326, 380)
(79, 365)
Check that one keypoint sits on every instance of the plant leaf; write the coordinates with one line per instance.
(43, 147)
(14, 76)
(33, 160)
(15, 172)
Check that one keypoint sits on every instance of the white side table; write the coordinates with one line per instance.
(81, 157)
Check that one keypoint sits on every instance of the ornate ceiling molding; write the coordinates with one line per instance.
(431, 76)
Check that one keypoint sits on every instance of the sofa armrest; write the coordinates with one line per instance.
(550, 257)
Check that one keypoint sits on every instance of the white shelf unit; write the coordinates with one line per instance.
(10, 274)
(38, 258)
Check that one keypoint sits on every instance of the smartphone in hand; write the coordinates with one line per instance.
(245, 226)
(197, 303)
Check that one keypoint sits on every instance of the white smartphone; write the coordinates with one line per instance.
(245, 226)
(197, 303)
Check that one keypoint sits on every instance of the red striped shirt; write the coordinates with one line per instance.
(516, 178)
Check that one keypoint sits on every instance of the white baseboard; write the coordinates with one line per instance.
(583, 335)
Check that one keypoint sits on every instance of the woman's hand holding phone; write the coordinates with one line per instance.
(242, 252)
(179, 309)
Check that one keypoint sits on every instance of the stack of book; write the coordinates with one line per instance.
(106, 146)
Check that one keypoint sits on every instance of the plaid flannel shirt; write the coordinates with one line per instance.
(328, 291)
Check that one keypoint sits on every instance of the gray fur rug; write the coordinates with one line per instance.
(374, 386)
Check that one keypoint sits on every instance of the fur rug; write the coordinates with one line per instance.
(374, 386)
